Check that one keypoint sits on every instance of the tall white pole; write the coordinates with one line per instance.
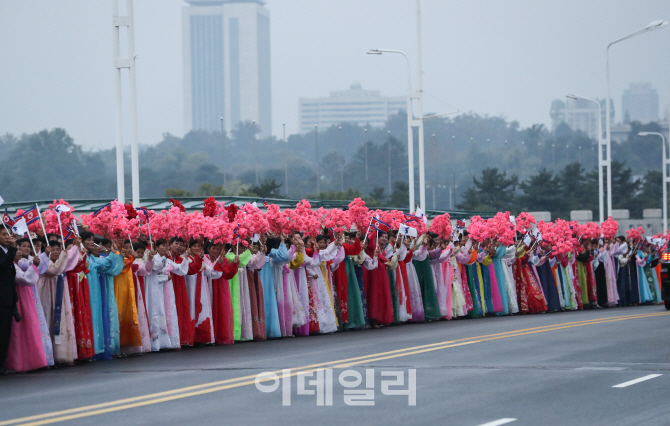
(601, 144)
(419, 90)
(410, 148)
(608, 156)
(134, 151)
(601, 203)
(120, 184)
(608, 141)
(666, 162)
(120, 63)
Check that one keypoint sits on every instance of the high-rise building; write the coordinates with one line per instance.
(354, 105)
(639, 103)
(226, 64)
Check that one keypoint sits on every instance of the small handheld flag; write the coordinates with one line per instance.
(420, 214)
(7, 219)
(145, 211)
(460, 224)
(379, 225)
(62, 208)
(407, 230)
(410, 218)
(31, 215)
(20, 227)
(97, 212)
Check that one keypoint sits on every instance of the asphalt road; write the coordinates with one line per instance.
(547, 369)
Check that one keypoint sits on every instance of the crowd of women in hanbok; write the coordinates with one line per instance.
(125, 281)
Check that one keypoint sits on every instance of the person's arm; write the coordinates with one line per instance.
(245, 258)
(339, 257)
(421, 253)
(227, 268)
(297, 261)
(58, 267)
(158, 264)
(106, 265)
(29, 277)
(370, 262)
(640, 260)
(195, 264)
(44, 263)
(509, 252)
(72, 258)
(329, 252)
(435, 253)
(279, 255)
(144, 268)
(583, 257)
(180, 269)
(257, 261)
(352, 249)
(481, 256)
(402, 253)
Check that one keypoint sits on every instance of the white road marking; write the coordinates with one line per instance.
(641, 379)
(499, 422)
(602, 368)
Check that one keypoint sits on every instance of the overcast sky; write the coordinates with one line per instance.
(508, 58)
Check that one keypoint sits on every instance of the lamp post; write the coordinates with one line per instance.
(410, 122)
(343, 161)
(318, 172)
(120, 62)
(254, 151)
(223, 152)
(665, 164)
(389, 149)
(602, 150)
(608, 145)
(365, 141)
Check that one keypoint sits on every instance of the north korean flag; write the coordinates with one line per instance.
(7, 219)
(410, 218)
(379, 225)
(29, 215)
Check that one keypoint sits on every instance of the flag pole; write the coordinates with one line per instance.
(366, 231)
(43, 228)
(149, 229)
(61, 230)
(5, 226)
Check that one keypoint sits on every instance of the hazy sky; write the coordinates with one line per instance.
(509, 58)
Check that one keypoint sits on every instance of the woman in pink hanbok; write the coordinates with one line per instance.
(25, 345)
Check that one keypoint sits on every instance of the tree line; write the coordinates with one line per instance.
(472, 162)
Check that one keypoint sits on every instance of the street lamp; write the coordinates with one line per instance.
(318, 172)
(365, 141)
(254, 151)
(389, 152)
(608, 162)
(223, 151)
(602, 149)
(341, 165)
(410, 122)
(665, 163)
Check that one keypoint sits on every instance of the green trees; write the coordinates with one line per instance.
(477, 162)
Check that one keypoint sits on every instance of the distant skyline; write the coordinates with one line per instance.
(492, 58)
